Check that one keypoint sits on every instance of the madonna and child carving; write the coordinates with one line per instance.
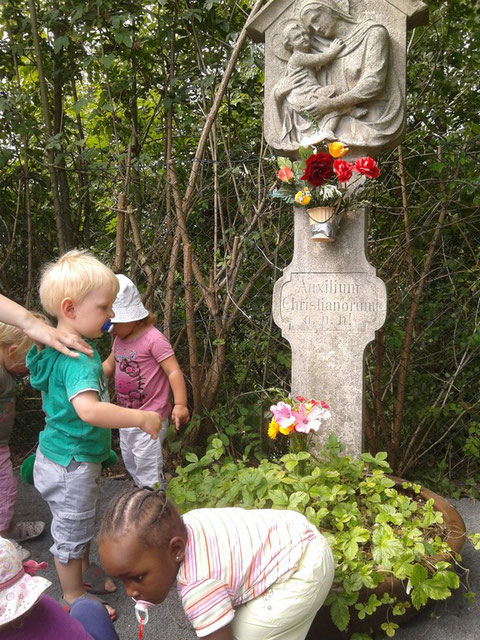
(337, 79)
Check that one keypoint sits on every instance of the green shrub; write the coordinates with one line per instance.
(374, 529)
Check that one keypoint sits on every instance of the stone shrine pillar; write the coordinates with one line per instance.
(328, 304)
(334, 70)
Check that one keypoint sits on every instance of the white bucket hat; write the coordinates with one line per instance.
(128, 306)
(19, 591)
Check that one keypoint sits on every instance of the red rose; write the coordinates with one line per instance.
(343, 170)
(367, 167)
(318, 169)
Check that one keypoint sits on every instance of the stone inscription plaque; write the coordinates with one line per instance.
(329, 302)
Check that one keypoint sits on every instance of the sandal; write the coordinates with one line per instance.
(94, 580)
(26, 530)
(88, 596)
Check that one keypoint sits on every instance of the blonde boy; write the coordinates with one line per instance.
(79, 291)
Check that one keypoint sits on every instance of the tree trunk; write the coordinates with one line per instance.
(60, 167)
(62, 235)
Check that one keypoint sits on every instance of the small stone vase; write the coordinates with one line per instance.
(324, 222)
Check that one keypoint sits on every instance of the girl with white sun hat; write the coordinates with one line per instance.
(27, 612)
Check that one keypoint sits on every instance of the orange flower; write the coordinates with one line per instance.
(337, 149)
(273, 428)
(285, 174)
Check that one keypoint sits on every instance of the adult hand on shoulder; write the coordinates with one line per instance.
(151, 423)
(180, 416)
(16, 315)
(57, 338)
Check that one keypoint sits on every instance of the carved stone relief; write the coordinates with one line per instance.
(335, 70)
(337, 82)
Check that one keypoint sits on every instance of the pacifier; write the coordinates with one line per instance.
(107, 327)
(141, 614)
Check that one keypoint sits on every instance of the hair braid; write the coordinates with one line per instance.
(149, 513)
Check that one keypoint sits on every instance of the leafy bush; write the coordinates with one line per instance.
(374, 529)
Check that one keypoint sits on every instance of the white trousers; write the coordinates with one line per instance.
(142, 456)
(286, 610)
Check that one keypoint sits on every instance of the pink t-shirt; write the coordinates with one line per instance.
(140, 382)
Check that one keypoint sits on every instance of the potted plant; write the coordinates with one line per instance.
(319, 180)
(383, 531)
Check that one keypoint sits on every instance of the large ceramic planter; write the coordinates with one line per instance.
(323, 628)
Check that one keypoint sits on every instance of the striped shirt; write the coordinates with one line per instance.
(232, 556)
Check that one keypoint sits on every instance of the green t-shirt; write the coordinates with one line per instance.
(61, 378)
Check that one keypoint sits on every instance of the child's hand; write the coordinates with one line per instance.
(151, 423)
(180, 415)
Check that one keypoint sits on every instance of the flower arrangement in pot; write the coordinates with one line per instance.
(298, 419)
(319, 180)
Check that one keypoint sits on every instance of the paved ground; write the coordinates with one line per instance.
(454, 619)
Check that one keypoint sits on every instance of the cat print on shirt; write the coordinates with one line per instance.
(129, 383)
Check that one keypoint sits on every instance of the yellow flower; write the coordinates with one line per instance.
(303, 197)
(273, 428)
(337, 149)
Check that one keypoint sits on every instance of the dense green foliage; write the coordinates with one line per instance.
(376, 529)
(127, 90)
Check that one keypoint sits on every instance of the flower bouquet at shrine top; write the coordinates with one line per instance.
(297, 416)
(319, 180)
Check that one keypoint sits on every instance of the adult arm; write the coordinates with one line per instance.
(171, 368)
(290, 82)
(14, 314)
(109, 416)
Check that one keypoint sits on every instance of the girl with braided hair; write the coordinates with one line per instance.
(241, 575)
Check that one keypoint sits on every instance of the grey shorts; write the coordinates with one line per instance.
(72, 494)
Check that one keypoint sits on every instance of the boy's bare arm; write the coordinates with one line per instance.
(109, 416)
(309, 60)
(109, 365)
(171, 368)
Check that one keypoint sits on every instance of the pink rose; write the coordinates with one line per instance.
(343, 170)
(367, 167)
